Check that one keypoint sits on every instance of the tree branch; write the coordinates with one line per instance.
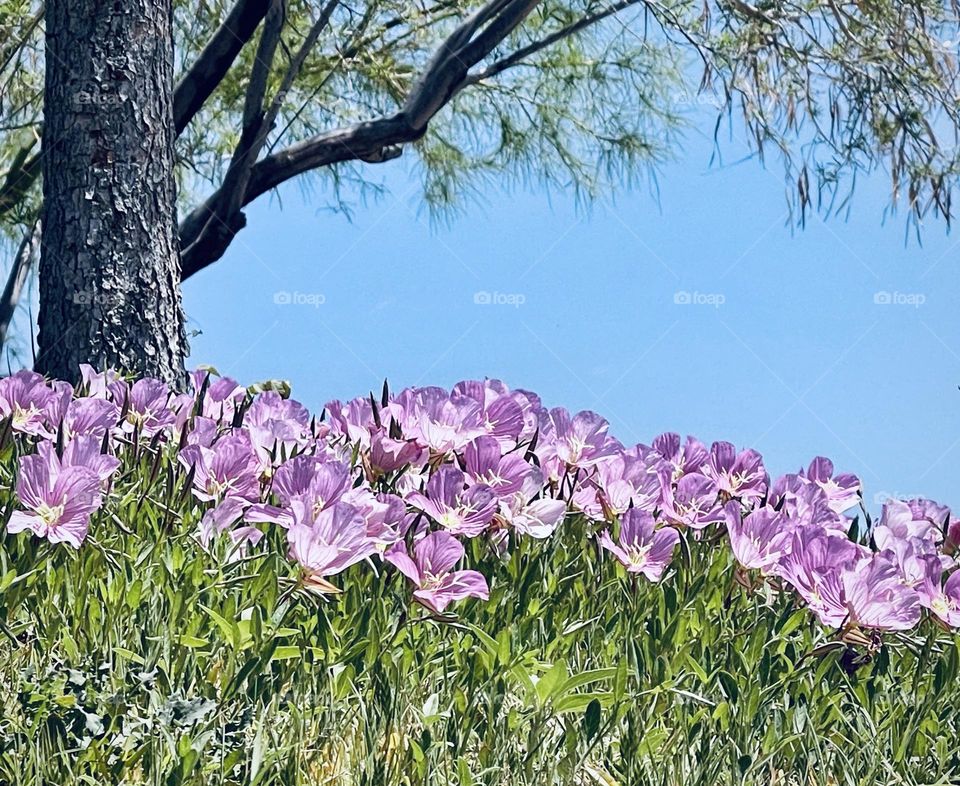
(501, 65)
(22, 174)
(448, 71)
(209, 69)
(17, 279)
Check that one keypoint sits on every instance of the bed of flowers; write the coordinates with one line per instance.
(450, 587)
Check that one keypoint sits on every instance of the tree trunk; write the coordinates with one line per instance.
(110, 265)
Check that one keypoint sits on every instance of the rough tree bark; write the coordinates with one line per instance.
(109, 266)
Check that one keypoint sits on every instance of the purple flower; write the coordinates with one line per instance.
(844, 584)
(812, 565)
(740, 475)
(759, 539)
(623, 481)
(943, 599)
(223, 519)
(335, 540)
(485, 465)
(229, 468)
(147, 403)
(683, 459)
(842, 491)
(876, 595)
(389, 455)
(441, 422)
(383, 515)
(899, 522)
(85, 452)
(277, 426)
(432, 572)
(580, 440)
(501, 414)
(92, 417)
(222, 397)
(98, 383)
(693, 503)
(59, 500)
(640, 547)
(458, 510)
(538, 519)
(29, 402)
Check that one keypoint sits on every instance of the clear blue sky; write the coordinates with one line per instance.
(797, 360)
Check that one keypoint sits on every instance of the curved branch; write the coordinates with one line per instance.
(205, 235)
(17, 279)
(209, 69)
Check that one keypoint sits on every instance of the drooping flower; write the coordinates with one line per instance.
(432, 572)
(813, 566)
(640, 546)
(335, 540)
(223, 519)
(59, 500)
(898, 520)
(876, 595)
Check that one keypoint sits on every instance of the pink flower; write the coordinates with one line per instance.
(229, 468)
(943, 599)
(640, 547)
(842, 491)
(223, 519)
(335, 540)
(580, 440)
(692, 503)
(59, 500)
(735, 474)
(460, 510)
(431, 571)
(759, 539)
(29, 402)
